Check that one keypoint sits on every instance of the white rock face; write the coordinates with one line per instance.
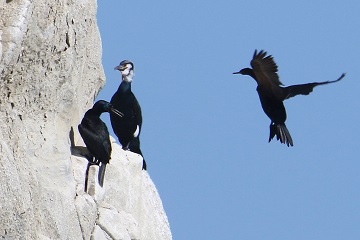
(128, 207)
(51, 72)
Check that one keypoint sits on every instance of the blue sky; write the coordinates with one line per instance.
(204, 133)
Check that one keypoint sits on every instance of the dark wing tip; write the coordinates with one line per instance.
(261, 55)
(255, 53)
(342, 76)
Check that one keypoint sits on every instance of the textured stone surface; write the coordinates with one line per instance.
(127, 207)
(51, 72)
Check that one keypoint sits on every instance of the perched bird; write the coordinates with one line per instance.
(127, 128)
(272, 94)
(96, 135)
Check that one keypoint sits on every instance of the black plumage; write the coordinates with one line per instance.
(96, 135)
(127, 128)
(272, 94)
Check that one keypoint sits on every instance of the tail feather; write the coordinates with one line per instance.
(101, 174)
(281, 132)
(144, 167)
(273, 131)
(134, 146)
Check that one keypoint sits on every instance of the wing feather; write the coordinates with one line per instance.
(305, 89)
(265, 68)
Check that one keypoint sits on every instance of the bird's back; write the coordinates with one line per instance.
(96, 137)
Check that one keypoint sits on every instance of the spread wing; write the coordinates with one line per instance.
(265, 68)
(305, 89)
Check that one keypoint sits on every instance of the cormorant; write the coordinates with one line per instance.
(127, 128)
(96, 135)
(272, 94)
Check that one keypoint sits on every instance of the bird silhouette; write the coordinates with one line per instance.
(272, 93)
(127, 128)
(96, 135)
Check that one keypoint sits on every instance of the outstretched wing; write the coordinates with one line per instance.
(265, 68)
(305, 89)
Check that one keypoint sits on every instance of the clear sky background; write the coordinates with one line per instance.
(204, 132)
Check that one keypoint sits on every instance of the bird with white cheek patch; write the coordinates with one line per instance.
(128, 127)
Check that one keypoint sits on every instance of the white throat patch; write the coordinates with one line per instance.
(128, 75)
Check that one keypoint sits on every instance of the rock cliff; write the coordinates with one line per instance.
(51, 72)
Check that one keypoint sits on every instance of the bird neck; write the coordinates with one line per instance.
(94, 112)
(125, 86)
(249, 72)
(128, 77)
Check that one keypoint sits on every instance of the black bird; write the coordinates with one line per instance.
(272, 94)
(96, 135)
(127, 128)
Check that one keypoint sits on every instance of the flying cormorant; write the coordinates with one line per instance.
(127, 128)
(96, 135)
(272, 94)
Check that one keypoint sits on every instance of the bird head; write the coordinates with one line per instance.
(104, 106)
(244, 71)
(126, 68)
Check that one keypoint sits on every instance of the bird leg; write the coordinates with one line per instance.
(126, 148)
(273, 130)
(87, 175)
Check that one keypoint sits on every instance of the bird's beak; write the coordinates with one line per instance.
(117, 112)
(236, 72)
(120, 68)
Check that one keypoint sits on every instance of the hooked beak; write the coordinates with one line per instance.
(117, 112)
(120, 68)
